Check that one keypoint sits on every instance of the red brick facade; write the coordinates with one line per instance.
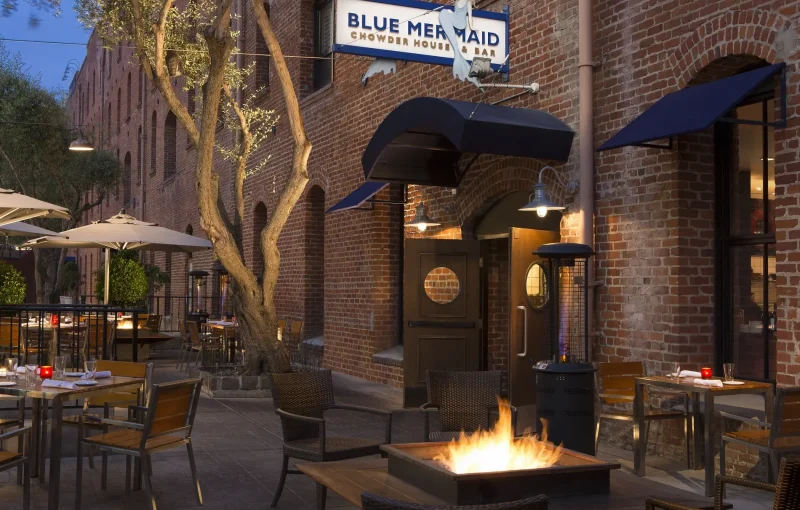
(654, 209)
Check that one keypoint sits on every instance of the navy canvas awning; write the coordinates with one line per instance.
(421, 141)
(359, 196)
(692, 109)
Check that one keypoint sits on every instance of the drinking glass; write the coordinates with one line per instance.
(11, 368)
(728, 368)
(90, 366)
(675, 370)
(59, 366)
(31, 378)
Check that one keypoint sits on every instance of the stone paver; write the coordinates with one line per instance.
(238, 449)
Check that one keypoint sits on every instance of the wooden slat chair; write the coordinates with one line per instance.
(787, 490)
(153, 323)
(93, 339)
(779, 437)
(617, 385)
(113, 401)
(20, 460)
(167, 423)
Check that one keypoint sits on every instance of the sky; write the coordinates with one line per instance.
(47, 60)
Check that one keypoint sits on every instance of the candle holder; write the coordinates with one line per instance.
(46, 372)
(705, 373)
(54, 319)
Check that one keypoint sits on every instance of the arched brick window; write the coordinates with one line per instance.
(126, 181)
(128, 99)
(153, 132)
(170, 145)
(119, 109)
(139, 157)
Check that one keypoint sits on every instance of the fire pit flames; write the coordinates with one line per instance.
(498, 449)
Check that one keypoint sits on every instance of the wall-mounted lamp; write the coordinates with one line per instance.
(540, 199)
(81, 144)
(421, 220)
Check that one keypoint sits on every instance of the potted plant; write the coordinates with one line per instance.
(128, 282)
(12, 285)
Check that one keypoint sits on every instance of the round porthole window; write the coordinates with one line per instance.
(442, 285)
(536, 286)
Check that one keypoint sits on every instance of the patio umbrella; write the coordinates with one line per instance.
(25, 230)
(122, 232)
(17, 207)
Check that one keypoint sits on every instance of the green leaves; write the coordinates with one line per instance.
(128, 282)
(12, 285)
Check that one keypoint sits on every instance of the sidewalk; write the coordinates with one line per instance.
(238, 449)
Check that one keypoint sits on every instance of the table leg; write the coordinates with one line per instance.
(696, 434)
(55, 455)
(708, 423)
(768, 402)
(639, 446)
(35, 438)
(43, 443)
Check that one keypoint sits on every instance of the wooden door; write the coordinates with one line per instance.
(527, 298)
(442, 326)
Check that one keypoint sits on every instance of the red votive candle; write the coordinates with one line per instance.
(54, 320)
(46, 372)
(705, 373)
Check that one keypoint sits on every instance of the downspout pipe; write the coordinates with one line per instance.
(586, 149)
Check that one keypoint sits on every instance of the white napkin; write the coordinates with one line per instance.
(21, 370)
(105, 374)
(689, 373)
(51, 383)
(714, 383)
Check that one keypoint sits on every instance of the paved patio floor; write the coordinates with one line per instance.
(238, 448)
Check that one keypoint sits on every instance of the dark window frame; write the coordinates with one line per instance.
(323, 67)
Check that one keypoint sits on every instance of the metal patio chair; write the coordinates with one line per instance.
(617, 385)
(20, 460)
(780, 436)
(465, 400)
(371, 501)
(301, 399)
(112, 401)
(787, 490)
(167, 423)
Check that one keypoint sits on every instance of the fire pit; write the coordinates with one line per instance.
(494, 466)
(573, 474)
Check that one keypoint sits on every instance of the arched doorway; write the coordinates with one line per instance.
(314, 320)
(126, 183)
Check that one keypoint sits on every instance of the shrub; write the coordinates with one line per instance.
(12, 285)
(128, 282)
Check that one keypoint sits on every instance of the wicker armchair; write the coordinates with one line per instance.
(371, 501)
(787, 490)
(465, 400)
(301, 399)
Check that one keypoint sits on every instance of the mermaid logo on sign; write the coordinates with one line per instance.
(409, 30)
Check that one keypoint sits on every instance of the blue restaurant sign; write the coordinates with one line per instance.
(421, 32)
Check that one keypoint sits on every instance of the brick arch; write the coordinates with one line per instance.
(751, 32)
(484, 188)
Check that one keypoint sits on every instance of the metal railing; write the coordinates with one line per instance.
(172, 309)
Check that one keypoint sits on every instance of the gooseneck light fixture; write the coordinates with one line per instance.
(540, 198)
(81, 144)
(421, 220)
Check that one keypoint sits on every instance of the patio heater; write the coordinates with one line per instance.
(565, 381)
(196, 311)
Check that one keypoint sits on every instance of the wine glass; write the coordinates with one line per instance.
(90, 366)
(59, 366)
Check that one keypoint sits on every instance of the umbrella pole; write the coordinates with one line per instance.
(107, 275)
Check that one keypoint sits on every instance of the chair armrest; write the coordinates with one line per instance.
(428, 406)
(742, 419)
(654, 503)
(721, 481)
(14, 433)
(300, 418)
(114, 423)
(360, 409)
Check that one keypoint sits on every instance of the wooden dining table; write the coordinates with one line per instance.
(41, 398)
(709, 393)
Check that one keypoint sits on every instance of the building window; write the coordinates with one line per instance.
(746, 257)
(261, 60)
(128, 99)
(108, 120)
(170, 145)
(153, 132)
(116, 190)
(190, 101)
(119, 52)
(141, 85)
(168, 286)
(139, 157)
(94, 86)
(119, 109)
(126, 181)
(323, 43)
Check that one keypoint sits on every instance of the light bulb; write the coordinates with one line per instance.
(541, 211)
(422, 227)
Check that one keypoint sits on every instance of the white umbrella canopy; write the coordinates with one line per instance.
(18, 207)
(122, 232)
(20, 228)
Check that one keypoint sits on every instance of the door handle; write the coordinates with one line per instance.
(524, 331)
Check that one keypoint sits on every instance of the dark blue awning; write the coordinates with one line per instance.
(692, 109)
(359, 196)
(421, 141)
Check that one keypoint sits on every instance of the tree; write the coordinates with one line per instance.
(12, 285)
(128, 283)
(195, 40)
(35, 160)
(9, 7)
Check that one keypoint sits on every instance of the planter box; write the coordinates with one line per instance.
(232, 386)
